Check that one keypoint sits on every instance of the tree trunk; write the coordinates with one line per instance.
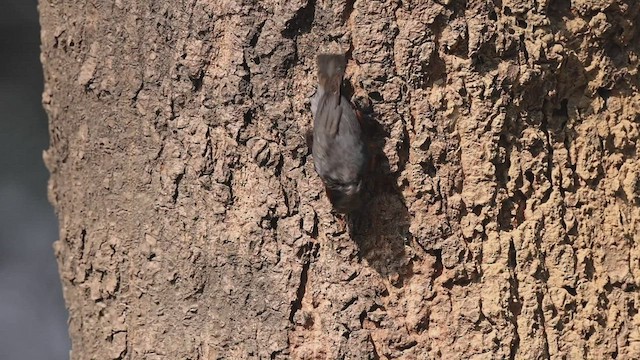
(503, 216)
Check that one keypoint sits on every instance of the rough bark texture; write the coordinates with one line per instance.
(503, 220)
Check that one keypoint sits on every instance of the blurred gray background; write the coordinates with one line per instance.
(32, 314)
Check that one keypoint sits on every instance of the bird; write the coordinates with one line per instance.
(340, 154)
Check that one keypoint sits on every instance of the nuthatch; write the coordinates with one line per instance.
(340, 155)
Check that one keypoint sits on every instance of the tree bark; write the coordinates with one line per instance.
(503, 217)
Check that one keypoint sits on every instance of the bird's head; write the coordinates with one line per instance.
(345, 198)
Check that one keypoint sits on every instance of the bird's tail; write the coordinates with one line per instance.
(330, 72)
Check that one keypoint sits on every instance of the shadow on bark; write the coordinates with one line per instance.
(381, 227)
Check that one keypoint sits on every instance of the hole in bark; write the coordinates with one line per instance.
(196, 81)
(176, 191)
(437, 267)
(632, 309)
(375, 95)
(402, 150)
(408, 345)
(247, 117)
(381, 78)
(349, 303)
(547, 195)
(429, 169)
(536, 148)
(504, 215)
(570, 290)
(589, 268)
(273, 222)
(529, 175)
(459, 282)
(522, 48)
(255, 37)
(512, 255)
(589, 333)
(604, 93)
(363, 315)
